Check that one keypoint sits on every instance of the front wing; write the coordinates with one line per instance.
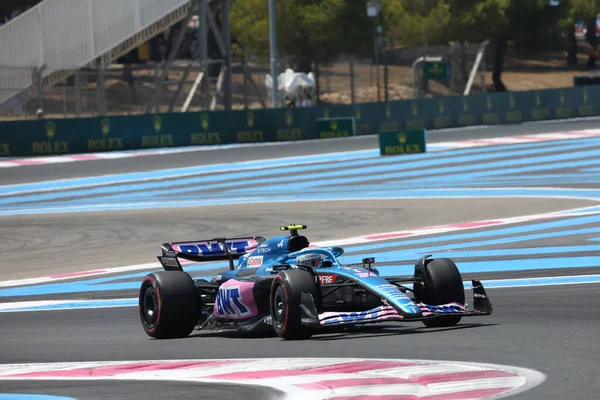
(481, 303)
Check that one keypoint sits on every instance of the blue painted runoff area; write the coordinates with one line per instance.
(180, 172)
(484, 172)
(20, 396)
(257, 172)
(133, 302)
(380, 192)
(475, 172)
(80, 286)
(467, 246)
(240, 166)
(466, 266)
(276, 176)
(470, 166)
(74, 304)
(508, 233)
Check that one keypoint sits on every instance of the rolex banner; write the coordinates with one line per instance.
(402, 142)
(328, 128)
(402, 123)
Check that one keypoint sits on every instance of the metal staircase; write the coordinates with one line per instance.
(59, 36)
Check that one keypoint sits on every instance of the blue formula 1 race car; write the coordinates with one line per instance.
(283, 284)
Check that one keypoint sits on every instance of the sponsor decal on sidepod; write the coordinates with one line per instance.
(327, 278)
(255, 262)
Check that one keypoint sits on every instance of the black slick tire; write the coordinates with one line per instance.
(445, 286)
(286, 294)
(168, 304)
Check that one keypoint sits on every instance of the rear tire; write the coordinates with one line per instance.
(445, 286)
(168, 304)
(286, 314)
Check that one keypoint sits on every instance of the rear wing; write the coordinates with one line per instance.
(207, 250)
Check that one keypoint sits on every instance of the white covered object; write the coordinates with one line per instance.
(292, 84)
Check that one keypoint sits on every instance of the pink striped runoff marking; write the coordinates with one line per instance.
(459, 376)
(438, 229)
(78, 274)
(464, 395)
(116, 370)
(459, 226)
(535, 138)
(336, 383)
(309, 378)
(345, 368)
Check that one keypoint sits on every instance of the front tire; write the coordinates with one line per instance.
(168, 304)
(286, 294)
(445, 286)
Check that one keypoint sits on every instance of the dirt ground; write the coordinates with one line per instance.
(522, 72)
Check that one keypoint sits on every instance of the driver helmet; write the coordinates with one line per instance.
(311, 260)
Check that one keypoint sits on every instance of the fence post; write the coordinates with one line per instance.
(100, 89)
(483, 87)
(317, 83)
(417, 81)
(77, 94)
(203, 50)
(377, 80)
(65, 95)
(352, 83)
(385, 77)
(451, 58)
(245, 79)
(157, 67)
(226, 32)
(37, 78)
(376, 39)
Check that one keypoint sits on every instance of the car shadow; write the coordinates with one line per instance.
(357, 332)
(235, 334)
(341, 333)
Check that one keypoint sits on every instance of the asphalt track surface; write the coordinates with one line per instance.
(550, 329)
